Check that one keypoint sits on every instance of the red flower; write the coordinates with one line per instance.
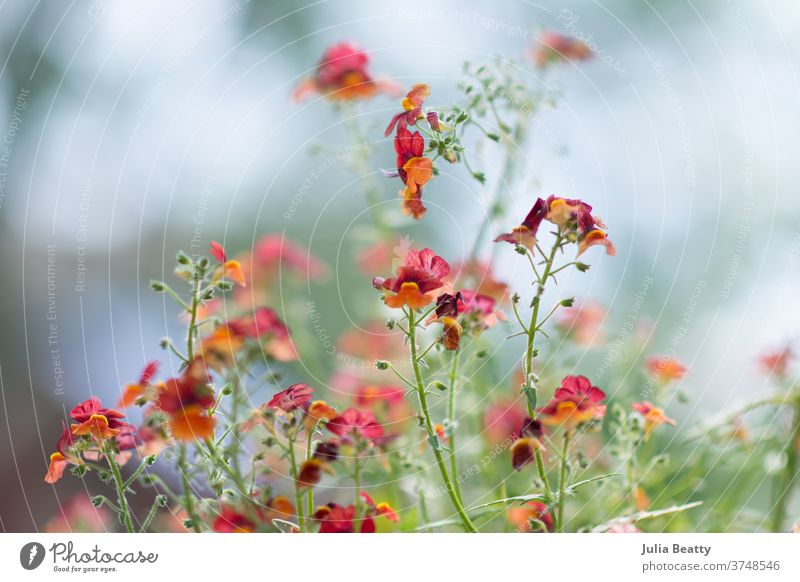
(776, 362)
(270, 330)
(274, 250)
(359, 424)
(342, 75)
(421, 274)
(228, 269)
(502, 421)
(232, 520)
(335, 518)
(294, 397)
(575, 402)
(554, 46)
(574, 217)
(382, 508)
(84, 411)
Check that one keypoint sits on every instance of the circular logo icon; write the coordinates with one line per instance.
(31, 555)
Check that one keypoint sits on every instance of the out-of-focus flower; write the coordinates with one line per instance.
(342, 75)
(583, 322)
(502, 420)
(265, 326)
(523, 450)
(665, 369)
(187, 400)
(227, 269)
(776, 362)
(274, 251)
(382, 508)
(415, 281)
(533, 511)
(653, 416)
(574, 217)
(294, 397)
(219, 348)
(370, 342)
(62, 457)
(623, 528)
(478, 276)
(552, 46)
(575, 402)
(79, 515)
(356, 424)
(135, 391)
(334, 518)
(317, 411)
(233, 519)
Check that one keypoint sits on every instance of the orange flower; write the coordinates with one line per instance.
(665, 369)
(653, 417)
(97, 426)
(418, 172)
(219, 348)
(228, 269)
(190, 423)
(134, 392)
(523, 451)
(55, 471)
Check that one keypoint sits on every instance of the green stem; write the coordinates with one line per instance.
(451, 415)
(310, 494)
(786, 479)
(631, 476)
(188, 498)
(537, 302)
(298, 494)
(125, 511)
(562, 482)
(432, 437)
(193, 317)
(357, 490)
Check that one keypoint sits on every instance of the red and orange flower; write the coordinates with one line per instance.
(573, 217)
(653, 416)
(416, 280)
(342, 75)
(187, 401)
(577, 401)
(552, 46)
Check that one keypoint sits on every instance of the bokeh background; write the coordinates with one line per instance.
(130, 128)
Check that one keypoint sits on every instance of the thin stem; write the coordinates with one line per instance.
(125, 512)
(188, 498)
(432, 437)
(786, 479)
(357, 487)
(310, 494)
(298, 494)
(451, 416)
(562, 482)
(193, 316)
(537, 302)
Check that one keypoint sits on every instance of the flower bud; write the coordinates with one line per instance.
(382, 364)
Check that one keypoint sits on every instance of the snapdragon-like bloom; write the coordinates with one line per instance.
(412, 166)
(552, 46)
(665, 369)
(574, 403)
(335, 518)
(94, 425)
(342, 75)
(573, 217)
(523, 450)
(233, 519)
(293, 398)
(583, 322)
(187, 400)
(356, 424)
(653, 416)
(415, 281)
(228, 269)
